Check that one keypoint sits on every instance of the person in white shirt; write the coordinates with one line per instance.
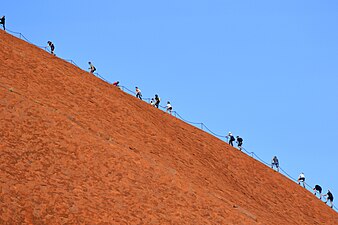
(169, 107)
(91, 68)
(138, 93)
(152, 102)
(301, 178)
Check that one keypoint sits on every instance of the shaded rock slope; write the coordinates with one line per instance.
(75, 150)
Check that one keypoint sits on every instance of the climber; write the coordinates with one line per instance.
(51, 45)
(231, 139)
(157, 101)
(301, 178)
(2, 21)
(319, 189)
(91, 68)
(239, 141)
(116, 83)
(274, 162)
(138, 93)
(329, 197)
(169, 107)
(152, 102)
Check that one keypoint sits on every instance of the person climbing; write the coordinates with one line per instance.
(138, 93)
(157, 101)
(91, 68)
(301, 178)
(274, 162)
(2, 21)
(116, 83)
(169, 108)
(231, 139)
(51, 45)
(329, 197)
(319, 189)
(239, 141)
(152, 102)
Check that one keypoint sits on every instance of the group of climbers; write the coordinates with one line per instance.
(317, 188)
(156, 101)
(238, 140)
(91, 68)
(301, 181)
(328, 195)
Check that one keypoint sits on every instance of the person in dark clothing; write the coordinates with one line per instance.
(275, 162)
(319, 189)
(51, 45)
(231, 139)
(2, 21)
(239, 141)
(157, 101)
(329, 197)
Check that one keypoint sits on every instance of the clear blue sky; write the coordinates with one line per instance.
(265, 70)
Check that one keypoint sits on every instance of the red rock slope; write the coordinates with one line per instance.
(75, 150)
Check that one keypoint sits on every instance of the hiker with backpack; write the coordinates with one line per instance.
(231, 139)
(2, 21)
(239, 142)
(275, 162)
(91, 68)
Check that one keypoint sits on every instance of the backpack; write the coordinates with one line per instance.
(232, 138)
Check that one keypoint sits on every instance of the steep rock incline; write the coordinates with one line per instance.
(75, 150)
